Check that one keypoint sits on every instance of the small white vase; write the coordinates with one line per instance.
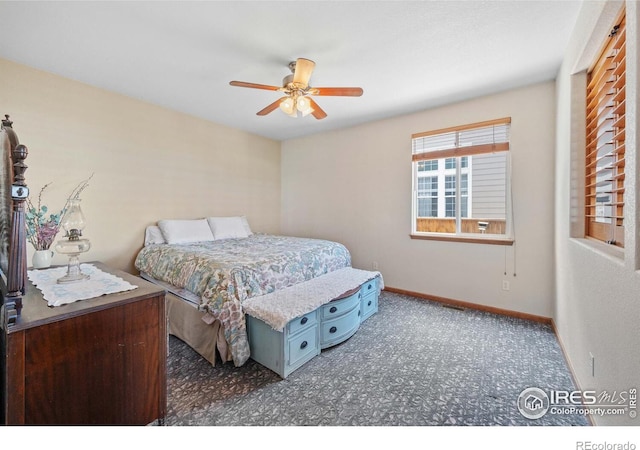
(42, 259)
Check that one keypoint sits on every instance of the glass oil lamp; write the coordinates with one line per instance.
(73, 223)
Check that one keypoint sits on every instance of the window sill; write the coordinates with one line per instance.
(610, 252)
(468, 240)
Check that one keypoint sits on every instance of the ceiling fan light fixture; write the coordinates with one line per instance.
(295, 87)
(288, 106)
(304, 106)
(307, 111)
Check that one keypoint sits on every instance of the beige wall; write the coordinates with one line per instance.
(150, 163)
(354, 186)
(598, 290)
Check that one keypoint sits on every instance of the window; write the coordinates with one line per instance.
(427, 196)
(428, 165)
(605, 128)
(461, 182)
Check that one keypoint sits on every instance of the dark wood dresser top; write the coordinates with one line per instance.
(36, 312)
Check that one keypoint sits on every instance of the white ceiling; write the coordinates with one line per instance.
(406, 55)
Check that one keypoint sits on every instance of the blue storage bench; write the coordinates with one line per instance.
(285, 347)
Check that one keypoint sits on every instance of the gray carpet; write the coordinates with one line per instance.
(414, 363)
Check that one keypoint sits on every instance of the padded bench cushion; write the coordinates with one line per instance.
(280, 307)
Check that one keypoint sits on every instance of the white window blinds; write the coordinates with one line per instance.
(484, 137)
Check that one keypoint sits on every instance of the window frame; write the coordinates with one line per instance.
(458, 153)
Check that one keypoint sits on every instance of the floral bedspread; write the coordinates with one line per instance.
(226, 272)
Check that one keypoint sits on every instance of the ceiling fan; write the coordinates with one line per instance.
(297, 91)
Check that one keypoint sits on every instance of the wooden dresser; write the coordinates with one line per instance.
(100, 361)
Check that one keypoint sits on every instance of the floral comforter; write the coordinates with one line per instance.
(226, 272)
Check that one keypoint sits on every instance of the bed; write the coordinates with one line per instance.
(13, 239)
(210, 266)
(13, 266)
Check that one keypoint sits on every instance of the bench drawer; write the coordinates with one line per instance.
(369, 306)
(369, 287)
(336, 308)
(302, 345)
(300, 323)
(334, 331)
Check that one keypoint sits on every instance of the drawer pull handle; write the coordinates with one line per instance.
(359, 312)
(359, 294)
(369, 304)
(333, 309)
(369, 287)
(305, 319)
(333, 330)
(303, 345)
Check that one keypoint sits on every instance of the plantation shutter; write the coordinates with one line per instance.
(604, 187)
(473, 139)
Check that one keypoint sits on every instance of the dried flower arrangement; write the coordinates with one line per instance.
(42, 228)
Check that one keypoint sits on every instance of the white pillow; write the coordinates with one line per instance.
(153, 235)
(245, 224)
(184, 231)
(229, 227)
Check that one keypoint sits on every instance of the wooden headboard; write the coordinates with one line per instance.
(13, 242)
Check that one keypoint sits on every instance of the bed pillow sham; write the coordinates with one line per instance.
(153, 235)
(185, 231)
(229, 227)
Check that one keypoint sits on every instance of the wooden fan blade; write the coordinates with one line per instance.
(254, 85)
(303, 70)
(337, 91)
(318, 112)
(272, 107)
